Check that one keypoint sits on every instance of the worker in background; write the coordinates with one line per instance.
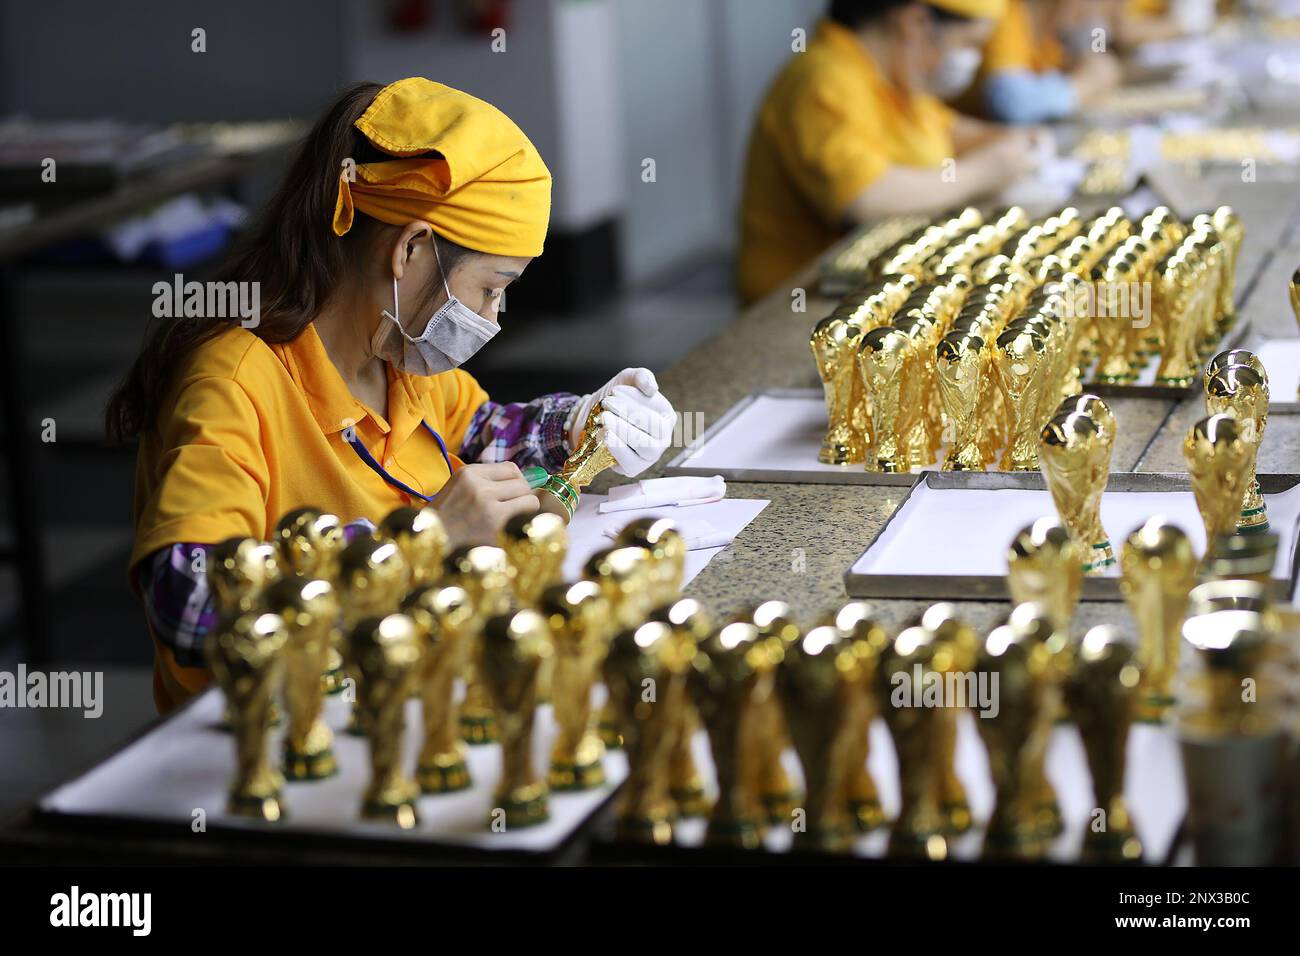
(1045, 60)
(1151, 21)
(854, 129)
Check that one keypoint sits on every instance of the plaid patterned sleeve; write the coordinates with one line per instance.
(177, 601)
(527, 433)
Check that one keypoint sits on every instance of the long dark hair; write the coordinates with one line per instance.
(291, 251)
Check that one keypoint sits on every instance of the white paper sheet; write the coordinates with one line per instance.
(963, 531)
(588, 527)
(185, 764)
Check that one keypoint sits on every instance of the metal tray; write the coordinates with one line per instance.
(993, 586)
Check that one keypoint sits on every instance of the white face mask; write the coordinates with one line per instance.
(956, 72)
(453, 334)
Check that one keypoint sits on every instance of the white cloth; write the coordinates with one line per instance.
(664, 493)
(699, 534)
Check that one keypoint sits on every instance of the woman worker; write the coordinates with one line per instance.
(1044, 61)
(382, 260)
(853, 130)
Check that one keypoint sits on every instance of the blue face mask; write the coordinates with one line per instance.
(450, 337)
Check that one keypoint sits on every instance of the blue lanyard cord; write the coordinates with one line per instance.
(375, 466)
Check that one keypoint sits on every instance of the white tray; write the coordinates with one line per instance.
(948, 539)
(185, 763)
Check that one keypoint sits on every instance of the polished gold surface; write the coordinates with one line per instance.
(1220, 461)
(689, 623)
(246, 656)
(310, 614)
(447, 622)
(765, 734)
(1159, 570)
(486, 574)
(385, 653)
(955, 645)
(625, 575)
(1241, 390)
(633, 670)
(238, 569)
(578, 616)
(309, 543)
(1075, 454)
(420, 536)
(1102, 692)
(867, 639)
(1045, 566)
(562, 490)
(514, 647)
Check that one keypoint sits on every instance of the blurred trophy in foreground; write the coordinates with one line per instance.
(1045, 566)
(385, 652)
(1014, 737)
(309, 543)
(904, 671)
(238, 571)
(514, 647)
(1102, 691)
(486, 574)
(689, 623)
(422, 539)
(722, 684)
(868, 640)
(372, 575)
(1233, 744)
(955, 644)
(1220, 462)
(823, 703)
(765, 734)
(625, 577)
(1037, 625)
(310, 615)
(1159, 570)
(1242, 392)
(559, 495)
(578, 616)
(447, 621)
(246, 658)
(536, 545)
(632, 670)
(1074, 453)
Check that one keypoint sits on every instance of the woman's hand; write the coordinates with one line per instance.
(637, 418)
(479, 499)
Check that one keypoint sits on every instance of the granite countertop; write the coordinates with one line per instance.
(798, 548)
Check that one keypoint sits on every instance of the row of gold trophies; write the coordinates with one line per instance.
(969, 332)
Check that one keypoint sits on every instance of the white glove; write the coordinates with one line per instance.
(638, 420)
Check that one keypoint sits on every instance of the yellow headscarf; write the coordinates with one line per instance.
(489, 190)
(974, 9)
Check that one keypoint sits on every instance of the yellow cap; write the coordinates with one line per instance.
(487, 190)
(974, 9)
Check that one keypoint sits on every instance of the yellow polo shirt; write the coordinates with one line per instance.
(1015, 44)
(829, 126)
(253, 430)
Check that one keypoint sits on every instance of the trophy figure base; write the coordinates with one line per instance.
(690, 798)
(1023, 842)
(257, 806)
(867, 813)
(824, 838)
(834, 453)
(1155, 708)
(1111, 846)
(227, 724)
(886, 466)
(332, 681)
(778, 805)
(957, 818)
(444, 773)
(356, 725)
(607, 730)
(920, 844)
(1253, 521)
(736, 833)
(524, 806)
(653, 829)
(568, 776)
(478, 728)
(309, 764)
(395, 806)
(558, 489)
(1047, 818)
(1102, 558)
